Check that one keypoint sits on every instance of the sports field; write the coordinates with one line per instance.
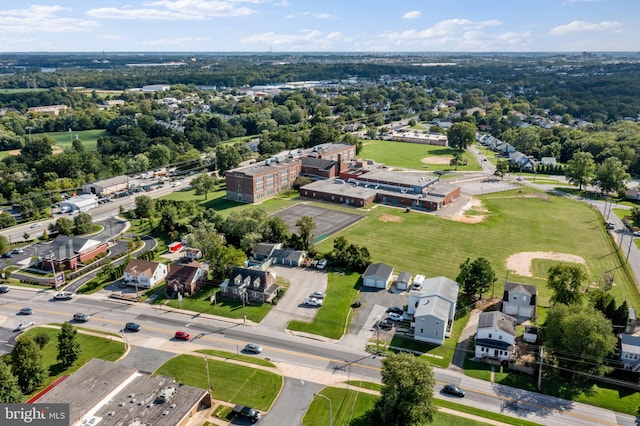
(89, 138)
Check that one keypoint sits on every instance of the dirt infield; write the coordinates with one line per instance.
(328, 222)
(520, 263)
(473, 204)
(391, 218)
(436, 160)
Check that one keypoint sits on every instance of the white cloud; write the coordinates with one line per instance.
(447, 28)
(581, 26)
(39, 18)
(176, 10)
(414, 14)
(178, 41)
(306, 40)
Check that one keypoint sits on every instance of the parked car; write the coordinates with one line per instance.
(385, 325)
(24, 325)
(610, 225)
(26, 311)
(453, 390)
(246, 412)
(317, 294)
(182, 335)
(356, 304)
(132, 326)
(81, 317)
(18, 251)
(253, 348)
(65, 295)
(416, 286)
(7, 255)
(322, 264)
(4, 289)
(395, 309)
(395, 317)
(313, 302)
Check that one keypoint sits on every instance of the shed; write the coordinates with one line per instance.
(377, 275)
(404, 281)
(174, 247)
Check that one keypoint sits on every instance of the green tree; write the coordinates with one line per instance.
(6, 220)
(203, 184)
(306, 226)
(277, 230)
(502, 167)
(26, 364)
(227, 158)
(611, 176)
(159, 155)
(41, 339)
(476, 277)
(9, 389)
(82, 223)
(461, 135)
(145, 206)
(578, 338)
(352, 139)
(64, 226)
(406, 398)
(565, 282)
(68, 347)
(5, 247)
(580, 169)
(456, 159)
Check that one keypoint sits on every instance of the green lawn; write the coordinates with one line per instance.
(91, 346)
(224, 307)
(521, 220)
(332, 317)
(230, 382)
(89, 138)
(405, 155)
(237, 357)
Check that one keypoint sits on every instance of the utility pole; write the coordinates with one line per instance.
(244, 315)
(629, 250)
(540, 368)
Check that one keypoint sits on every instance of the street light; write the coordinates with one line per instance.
(244, 315)
(330, 408)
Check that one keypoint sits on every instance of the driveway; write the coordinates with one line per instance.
(302, 282)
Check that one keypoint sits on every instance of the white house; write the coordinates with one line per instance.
(519, 300)
(630, 351)
(144, 274)
(377, 275)
(496, 336)
(433, 309)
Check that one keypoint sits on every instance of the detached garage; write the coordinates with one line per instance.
(377, 275)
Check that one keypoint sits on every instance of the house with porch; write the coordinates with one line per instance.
(496, 336)
(254, 285)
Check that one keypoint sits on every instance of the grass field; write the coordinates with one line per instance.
(518, 221)
(91, 347)
(89, 138)
(333, 316)
(405, 155)
(230, 382)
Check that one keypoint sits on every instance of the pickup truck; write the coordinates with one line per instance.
(246, 413)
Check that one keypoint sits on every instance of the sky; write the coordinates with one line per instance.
(319, 25)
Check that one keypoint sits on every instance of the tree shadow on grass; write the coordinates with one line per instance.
(56, 369)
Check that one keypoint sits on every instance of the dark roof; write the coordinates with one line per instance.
(265, 249)
(184, 274)
(318, 163)
(255, 279)
(496, 319)
(378, 270)
(65, 247)
(495, 344)
(404, 277)
(288, 254)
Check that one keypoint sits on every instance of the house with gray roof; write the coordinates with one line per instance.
(496, 336)
(630, 351)
(377, 275)
(519, 300)
(289, 257)
(433, 309)
(253, 284)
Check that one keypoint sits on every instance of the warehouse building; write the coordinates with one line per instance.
(79, 203)
(107, 187)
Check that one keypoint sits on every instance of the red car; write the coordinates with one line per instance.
(182, 335)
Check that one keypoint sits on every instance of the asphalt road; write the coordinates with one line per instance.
(156, 341)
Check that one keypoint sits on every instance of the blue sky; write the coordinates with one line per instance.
(314, 25)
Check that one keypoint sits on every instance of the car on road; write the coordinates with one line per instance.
(395, 317)
(7, 255)
(17, 251)
(36, 225)
(453, 390)
(253, 348)
(24, 325)
(182, 335)
(65, 295)
(610, 225)
(26, 311)
(4, 289)
(246, 412)
(132, 326)
(395, 309)
(80, 317)
(317, 295)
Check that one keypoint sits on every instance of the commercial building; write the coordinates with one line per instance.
(106, 187)
(79, 203)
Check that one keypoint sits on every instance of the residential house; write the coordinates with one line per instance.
(630, 351)
(433, 309)
(403, 282)
(377, 275)
(264, 251)
(289, 257)
(548, 161)
(144, 274)
(496, 335)
(519, 300)
(192, 254)
(254, 285)
(184, 279)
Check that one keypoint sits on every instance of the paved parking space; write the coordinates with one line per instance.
(302, 282)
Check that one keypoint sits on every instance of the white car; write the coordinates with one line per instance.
(313, 302)
(317, 295)
(65, 295)
(322, 264)
(36, 225)
(395, 317)
(24, 325)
